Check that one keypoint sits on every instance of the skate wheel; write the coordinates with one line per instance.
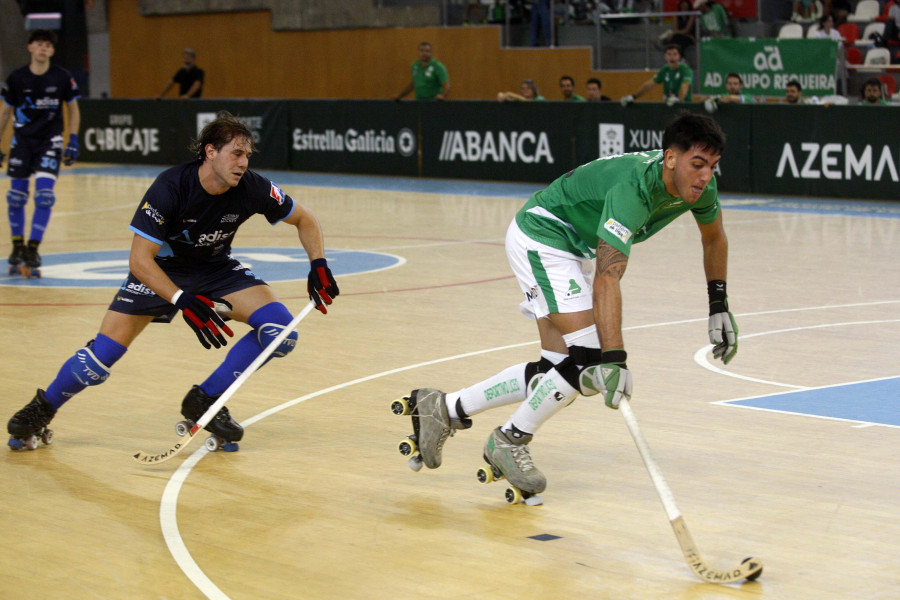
(534, 500)
(231, 447)
(183, 427)
(13, 271)
(407, 446)
(485, 475)
(513, 495)
(15, 444)
(47, 436)
(212, 443)
(400, 407)
(415, 463)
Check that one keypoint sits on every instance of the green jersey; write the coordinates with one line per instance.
(619, 199)
(575, 98)
(428, 80)
(673, 78)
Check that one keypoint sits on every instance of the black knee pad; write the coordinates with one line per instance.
(537, 368)
(579, 359)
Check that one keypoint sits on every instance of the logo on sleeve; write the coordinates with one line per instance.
(153, 213)
(618, 230)
(276, 193)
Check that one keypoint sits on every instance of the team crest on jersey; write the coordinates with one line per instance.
(153, 213)
(276, 193)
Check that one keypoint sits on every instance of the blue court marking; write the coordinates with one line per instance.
(108, 268)
(855, 208)
(874, 402)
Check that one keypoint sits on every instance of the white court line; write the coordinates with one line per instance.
(169, 502)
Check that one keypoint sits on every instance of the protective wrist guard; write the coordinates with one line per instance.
(718, 299)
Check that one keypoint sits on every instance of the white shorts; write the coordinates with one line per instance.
(553, 281)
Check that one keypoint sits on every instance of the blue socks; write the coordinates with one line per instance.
(66, 385)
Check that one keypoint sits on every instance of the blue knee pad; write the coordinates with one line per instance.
(44, 197)
(87, 369)
(269, 332)
(17, 198)
(269, 321)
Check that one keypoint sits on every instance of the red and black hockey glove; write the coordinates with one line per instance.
(200, 314)
(321, 286)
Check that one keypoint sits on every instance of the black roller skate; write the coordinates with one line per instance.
(30, 424)
(17, 257)
(226, 432)
(31, 266)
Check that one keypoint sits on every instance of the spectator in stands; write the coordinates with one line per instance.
(474, 7)
(713, 20)
(683, 32)
(872, 93)
(839, 9)
(675, 76)
(594, 93)
(793, 94)
(567, 87)
(734, 93)
(827, 30)
(429, 77)
(540, 22)
(805, 10)
(528, 92)
(892, 24)
(189, 77)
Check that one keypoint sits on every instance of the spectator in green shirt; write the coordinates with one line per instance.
(528, 92)
(675, 76)
(429, 77)
(872, 95)
(713, 20)
(567, 87)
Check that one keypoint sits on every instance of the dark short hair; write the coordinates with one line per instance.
(692, 129)
(42, 35)
(872, 81)
(676, 46)
(219, 132)
(734, 75)
(595, 80)
(564, 77)
(794, 83)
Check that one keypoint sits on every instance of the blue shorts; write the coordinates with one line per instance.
(216, 281)
(34, 155)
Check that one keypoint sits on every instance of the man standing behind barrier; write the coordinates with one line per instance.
(189, 78)
(734, 88)
(37, 92)
(429, 77)
(675, 76)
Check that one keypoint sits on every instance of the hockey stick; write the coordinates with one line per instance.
(152, 459)
(749, 569)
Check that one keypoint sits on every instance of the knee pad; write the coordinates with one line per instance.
(534, 370)
(580, 359)
(16, 198)
(44, 198)
(87, 369)
(269, 331)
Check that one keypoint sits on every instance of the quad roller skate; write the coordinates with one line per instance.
(507, 457)
(29, 425)
(31, 261)
(226, 432)
(17, 257)
(432, 426)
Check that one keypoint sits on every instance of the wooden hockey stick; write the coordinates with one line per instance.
(749, 569)
(152, 459)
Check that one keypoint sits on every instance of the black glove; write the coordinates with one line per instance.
(321, 285)
(200, 314)
(71, 154)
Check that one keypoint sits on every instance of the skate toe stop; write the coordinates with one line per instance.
(534, 501)
(231, 447)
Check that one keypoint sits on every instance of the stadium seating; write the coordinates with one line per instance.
(866, 38)
(850, 32)
(890, 85)
(790, 31)
(866, 10)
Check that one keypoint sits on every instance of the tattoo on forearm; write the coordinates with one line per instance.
(610, 260)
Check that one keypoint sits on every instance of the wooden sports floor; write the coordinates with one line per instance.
(318, 503)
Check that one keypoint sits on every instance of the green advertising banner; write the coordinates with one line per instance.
(767, 64)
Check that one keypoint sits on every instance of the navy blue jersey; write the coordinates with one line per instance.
(37, 100)
(195, 228)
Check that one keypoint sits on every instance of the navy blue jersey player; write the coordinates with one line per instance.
(181, 260)
(37, 94)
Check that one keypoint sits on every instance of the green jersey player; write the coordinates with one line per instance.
(569, 246)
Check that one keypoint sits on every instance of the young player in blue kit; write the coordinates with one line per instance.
(37, 93)
(181, 260)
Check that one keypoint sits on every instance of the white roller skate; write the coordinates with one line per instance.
(508, 457)
(432, 426)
